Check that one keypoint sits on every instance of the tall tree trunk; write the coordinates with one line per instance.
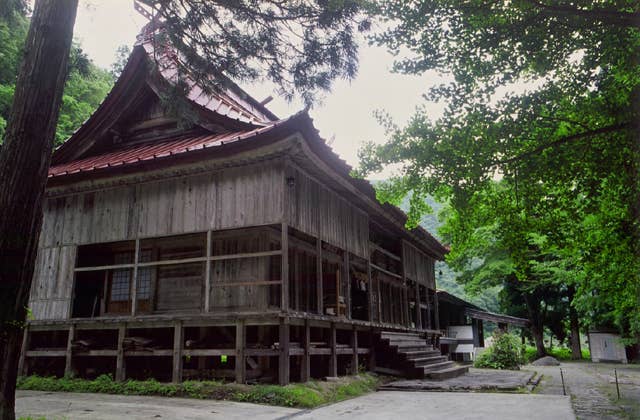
(24, 163)
(537, 328)
(574, 323)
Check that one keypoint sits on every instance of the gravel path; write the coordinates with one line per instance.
(592, 388)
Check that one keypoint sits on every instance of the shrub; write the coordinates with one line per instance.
(506, 353)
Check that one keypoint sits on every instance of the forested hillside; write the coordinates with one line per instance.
(86, 85)
(445, 276)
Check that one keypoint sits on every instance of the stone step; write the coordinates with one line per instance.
(447, 373)
(406, 342)
(402, 337)
(424, 361)
(398, 334)
(410, 355)
(437, 366)
(402, 349)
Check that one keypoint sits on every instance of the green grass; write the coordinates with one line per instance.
(302, 395)
(560, 353)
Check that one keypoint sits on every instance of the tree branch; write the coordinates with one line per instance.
(591, 133)
(604, 15)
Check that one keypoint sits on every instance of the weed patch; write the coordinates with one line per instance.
(307, 395)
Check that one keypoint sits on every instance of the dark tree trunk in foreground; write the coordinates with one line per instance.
(574, 322)
(24, 163)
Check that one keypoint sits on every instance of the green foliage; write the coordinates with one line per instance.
(505, 353)
(560, 353)
(308, 395)
(543, 99)
(300, 46)
(86, 85)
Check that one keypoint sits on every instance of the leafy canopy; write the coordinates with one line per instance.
(543, 97)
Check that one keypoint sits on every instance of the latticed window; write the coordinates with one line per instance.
(120, 285)
(121, 278)
(143, 285)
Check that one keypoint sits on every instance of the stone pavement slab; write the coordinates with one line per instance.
(474, 380)
(72, 406)
(445, 405)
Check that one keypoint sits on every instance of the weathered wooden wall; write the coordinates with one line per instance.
(52, 283)
(418, 266)
(316, 210)
(236, 197)
(244, 196)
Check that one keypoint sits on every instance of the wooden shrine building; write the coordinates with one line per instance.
(220, 241)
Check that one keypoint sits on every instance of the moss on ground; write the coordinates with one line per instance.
(303, 395)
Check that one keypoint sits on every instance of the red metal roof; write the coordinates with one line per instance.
(229, 100)
(149, 151)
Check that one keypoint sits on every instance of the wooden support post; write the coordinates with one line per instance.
(305, 374)
(436, 315)
(428, 301)
(354, 346)
(319, 275)
(379, 300)
(405, 305)
(333, 359)
(240, 346)
(134, 280)
(283, 364)
(207, 276)
(372, 350)
(120, 362)
(370, 290)
(178, 345)
(284, 275)
(417, 307)
(23, 354)
(202, 362)
(347, 278)
(68, 361)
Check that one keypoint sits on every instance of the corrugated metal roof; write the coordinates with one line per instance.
(223, 101)
(154, 150)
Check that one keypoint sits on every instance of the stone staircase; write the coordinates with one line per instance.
(409, 355)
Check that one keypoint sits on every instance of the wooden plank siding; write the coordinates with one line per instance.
(251, 195)
(318, 211)
(418, 266)
(236, 197)
(51, 291)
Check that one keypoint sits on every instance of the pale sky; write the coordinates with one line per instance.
(345, 114)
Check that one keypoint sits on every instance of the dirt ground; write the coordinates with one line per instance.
(592, 388)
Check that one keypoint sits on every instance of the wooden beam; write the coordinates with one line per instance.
(178, 344)
(417, 309)
(387, 272)
(207, 277)
(379, 300)
(370, 290)
(319, 275)
(333, 359)
(372, 350)
(305, 373)
(240, 356)
(284, 275)
(68, 361)
(283, 363)
(245, 255)
(347, 278)
(120, 362)
(384, 251)
(354, 347)
(435, 311)
(134, 280)
(23, 354)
